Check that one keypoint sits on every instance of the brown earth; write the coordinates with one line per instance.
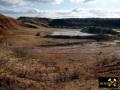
(8, 25)
(28, 61)
(35, 22)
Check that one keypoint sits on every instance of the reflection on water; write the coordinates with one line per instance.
(71, 33)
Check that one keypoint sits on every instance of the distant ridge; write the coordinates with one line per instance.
(83, 22)
(76, 23)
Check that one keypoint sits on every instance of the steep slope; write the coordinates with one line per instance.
(8, 25)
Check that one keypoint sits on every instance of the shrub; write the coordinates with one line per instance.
(20, 52)
(108, 60)
(3, 62)
(2, 39)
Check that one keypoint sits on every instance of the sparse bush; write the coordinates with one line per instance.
(41, 73)
(3, 62)
(37, 34)
(107, 61)
(47, 64)
(4, 43)
(21, 52)
(2, 40)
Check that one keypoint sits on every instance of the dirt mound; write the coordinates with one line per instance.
(30, 25)
(34, 21)
(8, 25)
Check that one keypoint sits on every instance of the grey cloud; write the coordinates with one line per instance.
(14, 13)
(47, 1)
(98, 12)
(82, 1)
(7, 3)
(85, 1)
(23, 2)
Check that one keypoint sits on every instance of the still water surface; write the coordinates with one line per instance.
(71, 33)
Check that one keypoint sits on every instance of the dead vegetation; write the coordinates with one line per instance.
(21, 68)
(18, 64)
(22, 52)
(108, 61)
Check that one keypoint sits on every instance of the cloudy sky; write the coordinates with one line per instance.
(61, 8)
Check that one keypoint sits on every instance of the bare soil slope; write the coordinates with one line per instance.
(8, 24)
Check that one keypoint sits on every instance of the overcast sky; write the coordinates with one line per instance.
(61, 8)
